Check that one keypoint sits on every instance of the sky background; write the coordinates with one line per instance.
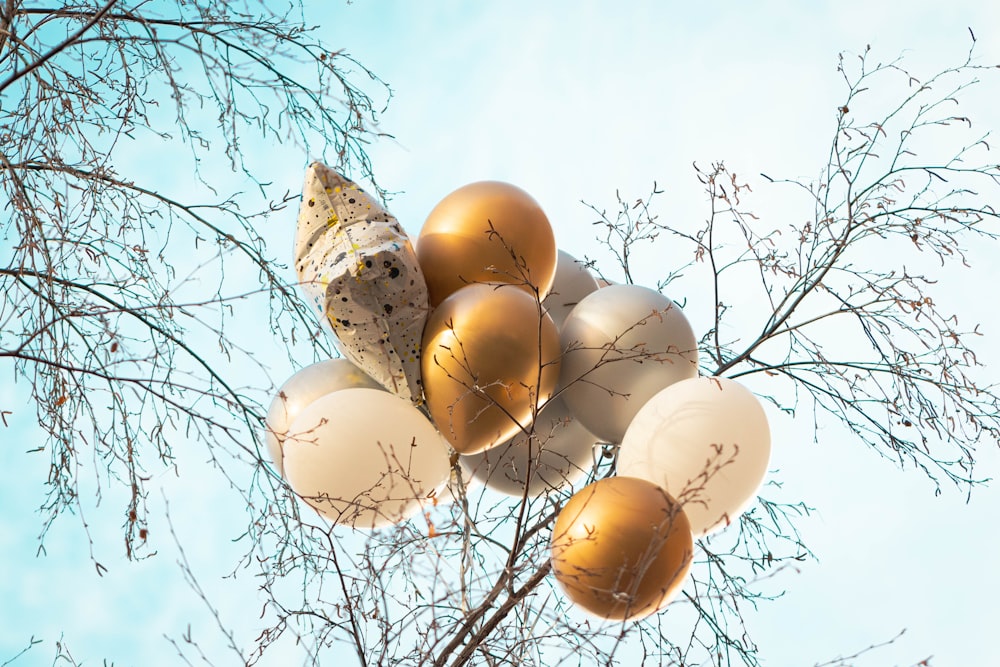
(571, 102)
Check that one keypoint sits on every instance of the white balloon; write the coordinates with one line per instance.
(365, 458)
(560, 454)
(300, 390)
(622, 344)
(706, 442)
(572, 282)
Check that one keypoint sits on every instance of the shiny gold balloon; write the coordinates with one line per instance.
(621, 548)
(489, 355)
(486, 232)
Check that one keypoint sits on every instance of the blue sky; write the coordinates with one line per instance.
(572, 101)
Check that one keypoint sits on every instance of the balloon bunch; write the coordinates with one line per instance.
(488, 345)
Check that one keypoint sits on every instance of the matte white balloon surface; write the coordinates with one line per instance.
(365, 458)
(559, 454)
(572, 282)
(300, 390)
(622, 344)
(705, 441)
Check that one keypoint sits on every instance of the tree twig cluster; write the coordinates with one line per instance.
(118, 314)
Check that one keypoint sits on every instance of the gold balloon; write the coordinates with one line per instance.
(489, 355)
(486, 232)
(621, 548)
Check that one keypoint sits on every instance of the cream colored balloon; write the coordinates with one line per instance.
(572, 282)
(300, 390)
(560, 454)
(622, 344)
(705, 441)
(365, 458)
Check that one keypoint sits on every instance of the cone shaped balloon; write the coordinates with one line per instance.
(489, 354)
(706, 441)
(486, 232)
(356, 263)
(623, 344)
(621, 548)
(301, 390)
(365, 458)
(558, 454)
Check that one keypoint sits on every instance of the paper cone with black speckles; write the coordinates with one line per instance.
(356, 263)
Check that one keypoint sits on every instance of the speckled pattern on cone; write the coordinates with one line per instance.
(356, 263)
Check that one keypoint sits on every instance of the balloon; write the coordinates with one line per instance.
(489, 354)
(456, 488)
(365, 458)
(706, 441)
(623, 343)
(572, 282)
(356, 263)
(621, 548)
(486, 232)
(561, 453)
(300, 390)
